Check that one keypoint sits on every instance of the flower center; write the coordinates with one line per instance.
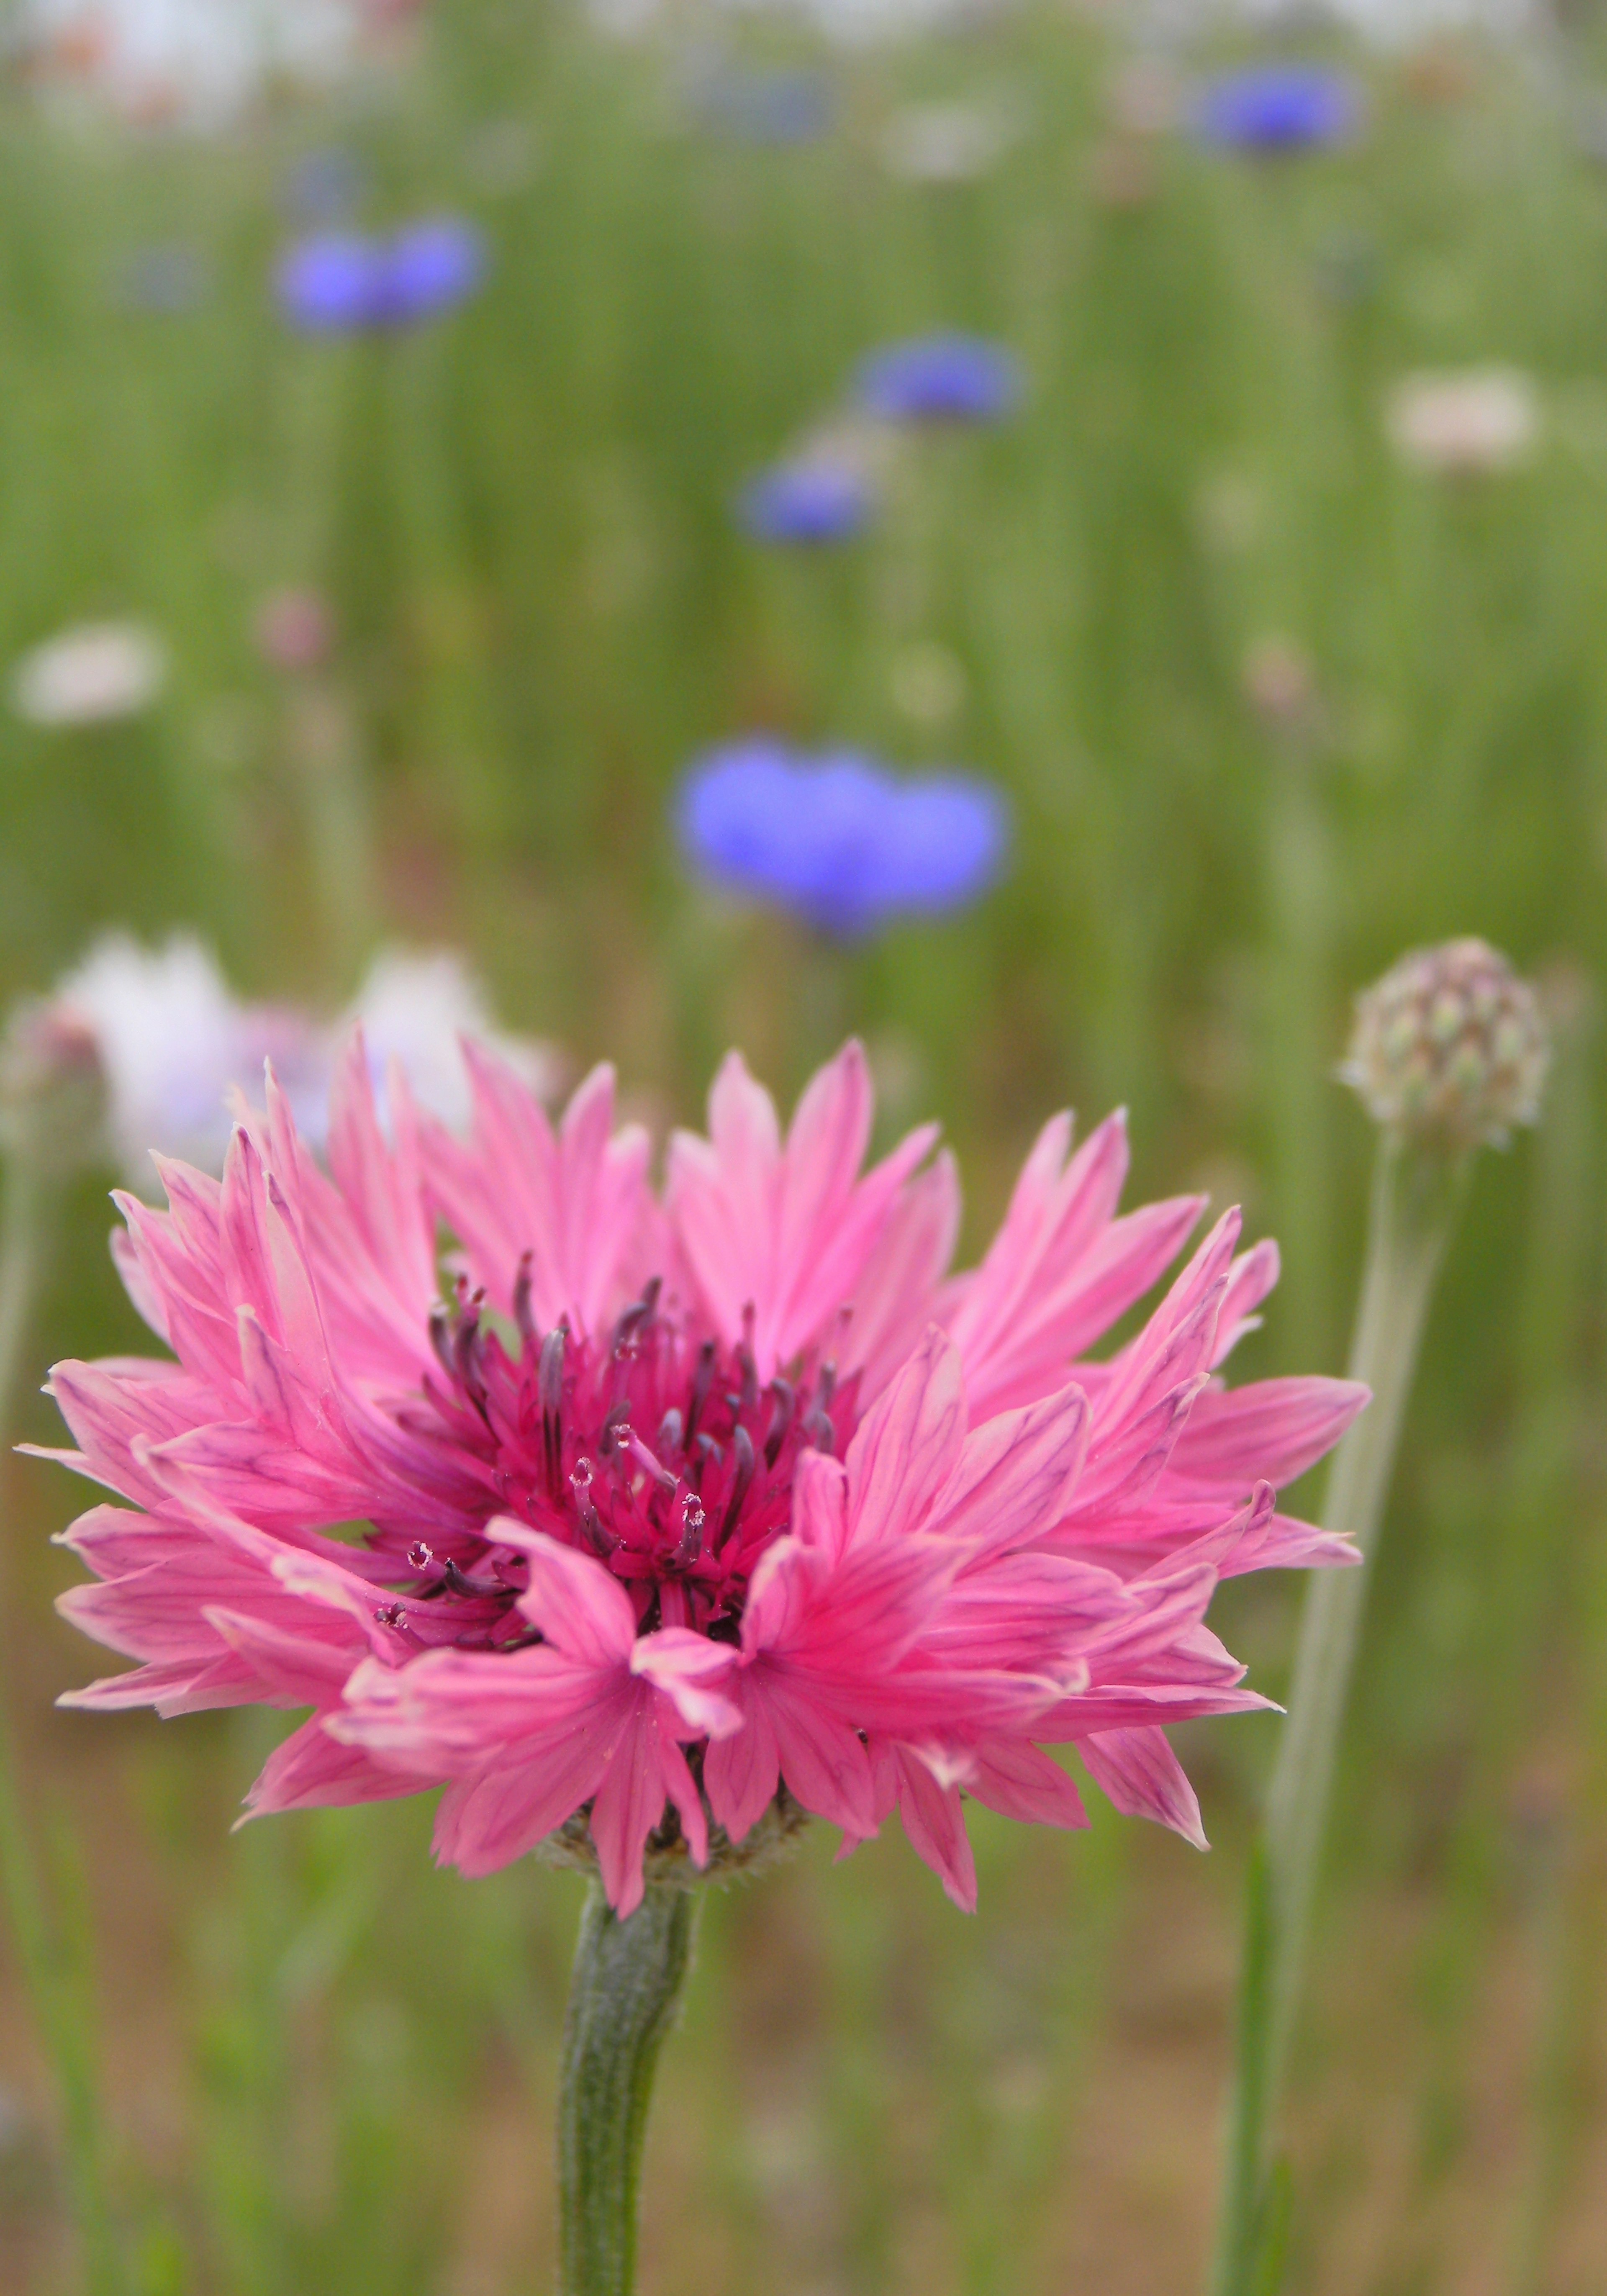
(659, 1452)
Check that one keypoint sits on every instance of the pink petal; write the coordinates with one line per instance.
(1137, 1771)
(907, 1444)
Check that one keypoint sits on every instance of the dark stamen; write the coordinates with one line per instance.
(641, 1311)
(819, 1430)
(550, 1384)
(702, 1380)
(671, 1438)
(741, 1445)
(614, 1427)
(521, 1299)
(781, 1419)
(591, 1521)
(691, 1543)
(420, 1555)
(460, 1583)
(440, 1339)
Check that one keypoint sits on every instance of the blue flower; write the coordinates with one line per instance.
(813, 499)
(768, 107)
(838, 840)
(335, 281)
(941, 378)
(1279, 107)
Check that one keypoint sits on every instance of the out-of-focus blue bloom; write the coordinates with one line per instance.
(838, 840)
(778, 106)
(324, 186)
(432, 266)
(811, 499)
(163, 279)
(941, 378)
(1279, 107)
(334, 282)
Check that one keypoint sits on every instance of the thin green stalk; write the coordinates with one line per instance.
(1415, 1198)
(43, 1953)
(626, 1982)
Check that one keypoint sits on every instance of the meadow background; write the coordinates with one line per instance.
(298, 2058)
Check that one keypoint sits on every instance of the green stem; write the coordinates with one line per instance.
(51, 1971)
(626, 1982)
(23, 1241)
(1414, 1198)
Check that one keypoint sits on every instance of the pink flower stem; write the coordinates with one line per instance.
(623, 1995)
(1415, 1194)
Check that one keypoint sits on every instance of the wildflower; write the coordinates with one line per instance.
(778, 106)
(1280, 684)
(1479, 421)
(836, 838)
(940, 378)
(1449, 1046)
(1144, 97)
(334, 282)
(168, 1038)
(91, 674)
(294, 630)
(415, 1008)
(816, 497)
(947, 142)
(1278, 108)
(682, 1513)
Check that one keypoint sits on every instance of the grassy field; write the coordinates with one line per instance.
(309, 2061)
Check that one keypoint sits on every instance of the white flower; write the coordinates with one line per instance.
(947, 142)
(171, 1040)
(173, 1044)
(197, 63)
(99, 671)
(415, 1008)
(1481, 420)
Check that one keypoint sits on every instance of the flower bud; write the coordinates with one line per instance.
(1449, 1046)
(53, 1088)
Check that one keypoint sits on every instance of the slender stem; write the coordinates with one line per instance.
(626, 1982)
(42, 1942)
(1415, 1198)
(23, 1242)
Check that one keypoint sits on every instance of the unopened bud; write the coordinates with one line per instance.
(1450, 1047)
(53, 1088)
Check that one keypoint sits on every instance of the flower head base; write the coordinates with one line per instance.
(838, 840)
(681, 1515)
(1278, 108)
(1449, 1047)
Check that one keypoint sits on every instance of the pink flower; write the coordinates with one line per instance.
(676, 1511)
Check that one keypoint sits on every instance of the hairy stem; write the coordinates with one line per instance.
(1415, 1198)
(626, 1982)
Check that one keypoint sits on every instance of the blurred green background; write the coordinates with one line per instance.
(308, 2061)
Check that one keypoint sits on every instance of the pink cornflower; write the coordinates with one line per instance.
(681, 1514)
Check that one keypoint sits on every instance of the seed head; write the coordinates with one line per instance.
(1449, 1046)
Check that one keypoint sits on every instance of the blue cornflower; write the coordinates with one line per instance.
(334, 282)
(813, 498)
(1279, 107)
(837, 840)
(941, 378)
(779, 106)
